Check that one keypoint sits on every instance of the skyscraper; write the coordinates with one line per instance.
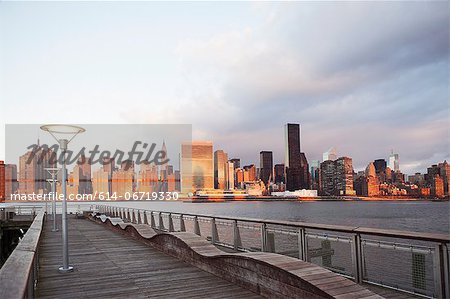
(314, 169)
(330, 154)
(279, 173)
(32, 174)
(266, 166)
(393, 162)
(292, 156)
(220, 175)
(250, 173)
(297, 172)
(380, 165)
(148, 177)
(229, 169)
(85, 175)
(197, 166)
(344, 176)
(336, 177)
(236, 162)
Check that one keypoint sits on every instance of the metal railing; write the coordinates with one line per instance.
(411, 262)
(19, 274)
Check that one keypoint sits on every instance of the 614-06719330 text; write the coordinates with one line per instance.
(136, 196)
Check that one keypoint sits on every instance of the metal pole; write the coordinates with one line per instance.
(65, 238)
(55, 227)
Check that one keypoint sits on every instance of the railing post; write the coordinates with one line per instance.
(139, 221)
(160, 221)
(214, 233)
(357, 258)
(264, 238)
(302, 245)
(152, 220)
(441, 271)
(129, 216)
(182, 226)
(196, 226)
(171, 229)
(144, 216)
(236, 236)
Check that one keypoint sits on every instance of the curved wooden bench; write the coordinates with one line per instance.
(268, 274)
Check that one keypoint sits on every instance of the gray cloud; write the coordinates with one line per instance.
(365, 77)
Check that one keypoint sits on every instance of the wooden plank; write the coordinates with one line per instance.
(108, 264)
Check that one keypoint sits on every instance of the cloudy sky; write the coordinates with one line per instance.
(364, 77)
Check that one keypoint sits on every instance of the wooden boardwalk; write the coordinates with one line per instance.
(110, 265)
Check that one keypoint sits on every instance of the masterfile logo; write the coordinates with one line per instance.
(106, 162)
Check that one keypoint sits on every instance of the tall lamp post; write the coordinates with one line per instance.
(53, 172)
(58, 132)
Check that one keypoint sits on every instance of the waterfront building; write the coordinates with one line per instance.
(344, 176)
(444, 172)
(32, 174)
(314, 174)
(197, 166)
(417, 179)
(266, 166)
(370, 170)
(437, 186)
(297, 170)
(380, 165)
(220, 170)
(101, 181)
(236, 162)
(250, 173)
(147, 179)
(239, 173)
(327, 177)
(336, 177)
(292, 156)
(330, 154)
(305, 176)
(108, 165)
(279, 173)
(85, 176)
(122, 182)
(229, 171)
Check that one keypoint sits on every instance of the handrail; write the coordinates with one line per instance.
(439, 250)
(18, 275)
(418, 236)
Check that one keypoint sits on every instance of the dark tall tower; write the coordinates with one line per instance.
(297, 172)
(292, 161)
(266, 166)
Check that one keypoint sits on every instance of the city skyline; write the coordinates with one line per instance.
(226, 70)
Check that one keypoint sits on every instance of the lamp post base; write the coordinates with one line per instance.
(62, 270)
(55, 230)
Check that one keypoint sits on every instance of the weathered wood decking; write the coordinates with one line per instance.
(109, 265)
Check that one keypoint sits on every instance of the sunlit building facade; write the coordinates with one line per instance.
(197, 166)
(220, 170)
